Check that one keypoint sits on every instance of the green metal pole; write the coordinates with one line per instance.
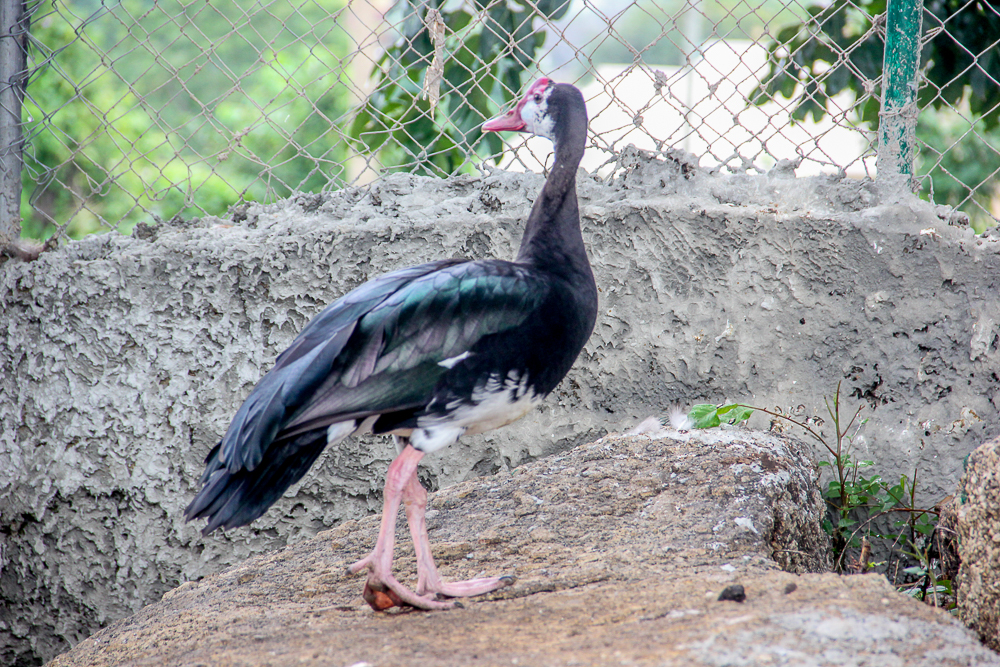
(898, 118)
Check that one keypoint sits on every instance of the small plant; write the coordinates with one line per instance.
(856, 500)
(927, 586)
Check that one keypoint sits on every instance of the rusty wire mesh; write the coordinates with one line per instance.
(138, 110)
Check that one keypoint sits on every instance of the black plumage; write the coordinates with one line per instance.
(427, 353)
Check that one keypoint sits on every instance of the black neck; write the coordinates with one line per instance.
(552, 238)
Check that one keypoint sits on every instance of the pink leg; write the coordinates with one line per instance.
(382, 590)
(428, 579)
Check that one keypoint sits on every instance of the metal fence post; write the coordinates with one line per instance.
(898, 118)
(13, 66)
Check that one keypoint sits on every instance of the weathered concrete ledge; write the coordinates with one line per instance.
(621, 548)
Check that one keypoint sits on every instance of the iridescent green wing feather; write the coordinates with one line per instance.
(378, 349)
(393, 360)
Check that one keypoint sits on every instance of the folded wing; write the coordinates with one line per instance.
(376, 351)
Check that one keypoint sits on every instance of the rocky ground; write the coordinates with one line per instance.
(972, 515)
(621, 550)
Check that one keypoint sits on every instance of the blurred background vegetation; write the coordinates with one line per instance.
(194, 110)
(188, 108)
(958, 129)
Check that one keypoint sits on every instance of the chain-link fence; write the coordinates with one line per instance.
(141, 109)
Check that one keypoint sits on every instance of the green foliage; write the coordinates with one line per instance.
(852, 497)
(803, 61)
(706, 415)
(836, 50)
(855, 501)
(961, 61)
(485, 65)
(958, 162)
(181, 115)
(924, 582)
(59, 117)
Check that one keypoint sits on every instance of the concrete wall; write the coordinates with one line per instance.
(123, 358)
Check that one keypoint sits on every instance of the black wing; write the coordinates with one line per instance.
(376, 350)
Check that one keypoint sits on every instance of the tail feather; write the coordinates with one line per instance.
(205, 503)
(233, 499)
(209, 466)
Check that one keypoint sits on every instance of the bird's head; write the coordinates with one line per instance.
(530, 115)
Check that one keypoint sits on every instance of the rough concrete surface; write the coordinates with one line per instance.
(977, 522)
(123, 358)
(621, 549)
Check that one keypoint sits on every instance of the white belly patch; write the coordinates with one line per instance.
(495, 404)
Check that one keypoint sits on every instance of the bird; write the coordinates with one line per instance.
(426, 354)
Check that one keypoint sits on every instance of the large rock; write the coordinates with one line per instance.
(621, 548)
(122, 359)
(977, 521)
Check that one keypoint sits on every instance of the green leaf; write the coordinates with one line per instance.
(736, 413)
(885, 503)
(924, 525)
(897, 493)
(553, 9)
(704, 415)
(458, 20)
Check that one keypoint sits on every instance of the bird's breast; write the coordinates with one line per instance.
(495, 403)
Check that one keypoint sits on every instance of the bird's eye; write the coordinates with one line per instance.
(538, 98)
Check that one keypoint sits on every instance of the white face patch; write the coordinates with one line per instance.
(535, 114)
